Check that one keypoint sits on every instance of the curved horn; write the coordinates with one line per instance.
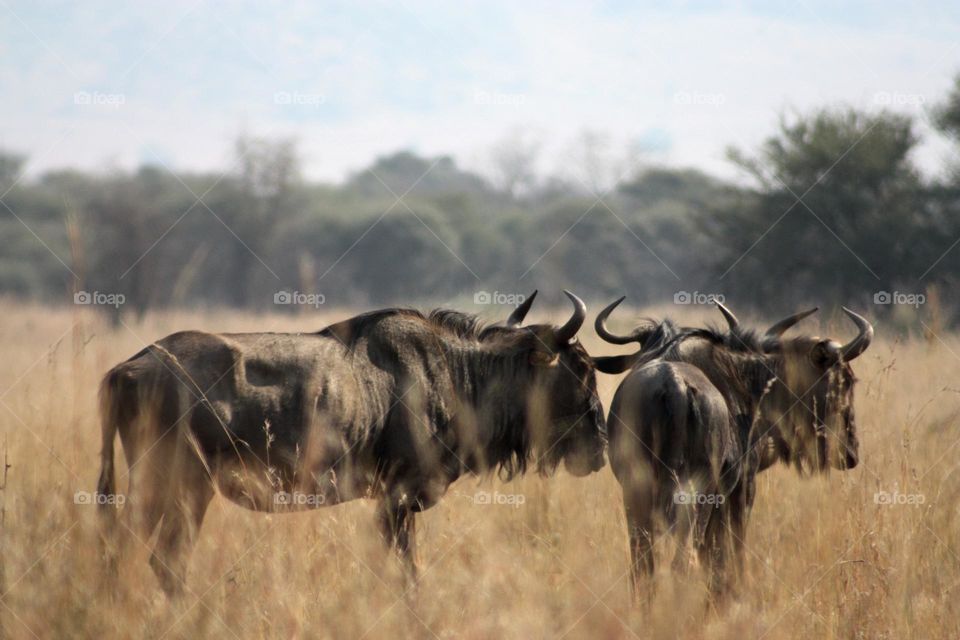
(565, 333)
(859, 344)
(732, 321)
(616, 364)
(516, 318)
(779, 328)
(600, 325)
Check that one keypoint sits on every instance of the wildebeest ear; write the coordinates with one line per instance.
(543, 358)
(825, 354)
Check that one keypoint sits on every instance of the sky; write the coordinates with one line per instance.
(103, 85)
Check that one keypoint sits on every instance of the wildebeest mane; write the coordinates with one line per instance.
(350, 330)
(738, 339)
(507, 450)
(466, 326)
(663, 339)
(463, 325)
(738, 361)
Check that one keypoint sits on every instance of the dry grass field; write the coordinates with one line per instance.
(548, 557)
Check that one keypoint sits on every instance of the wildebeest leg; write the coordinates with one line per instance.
(685, 514)
(398, 527)
(189, 494)
(741, 502)
(149, 458)
(713, 550)
(638, 508)
(135, 523)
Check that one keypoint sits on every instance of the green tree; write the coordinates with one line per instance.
(836, 215)
(942, 234)
(11, 164)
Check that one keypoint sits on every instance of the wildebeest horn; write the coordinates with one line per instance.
(779, 328)
(565, 333)
(516, 318)
(616, 364)
(859, 344)
(732, 321)
(600, 325)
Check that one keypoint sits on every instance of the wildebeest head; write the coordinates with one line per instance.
(564, 417)
(812, 401)
(807, 409)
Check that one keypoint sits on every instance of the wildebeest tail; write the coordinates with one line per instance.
(115, 414)
(679, 418)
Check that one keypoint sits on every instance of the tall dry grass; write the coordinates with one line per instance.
(825, 559)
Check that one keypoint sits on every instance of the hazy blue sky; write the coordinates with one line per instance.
(96, 84)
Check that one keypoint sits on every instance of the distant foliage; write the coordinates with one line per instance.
(837, 212)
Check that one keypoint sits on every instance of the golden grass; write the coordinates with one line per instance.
(825, 560)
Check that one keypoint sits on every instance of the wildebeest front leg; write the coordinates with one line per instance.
(741, 503)
(398, 527)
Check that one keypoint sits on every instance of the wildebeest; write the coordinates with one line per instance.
(679, 462)
(391, 405)
(787, 399)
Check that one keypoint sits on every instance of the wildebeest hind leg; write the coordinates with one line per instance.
(638, 508)
(148, 462)
(190, 492)
(685, 516)
(714, 550)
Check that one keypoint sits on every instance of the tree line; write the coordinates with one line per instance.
(835, 212)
